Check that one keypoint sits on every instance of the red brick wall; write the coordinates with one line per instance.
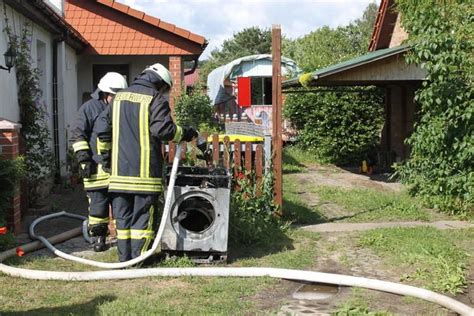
(177, 73)
(9, 149)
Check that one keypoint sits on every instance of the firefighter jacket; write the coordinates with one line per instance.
(135, 124)
(85, 144)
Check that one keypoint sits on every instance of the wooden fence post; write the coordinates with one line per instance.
(226, 152)
(237, 156)
(276, 116)
(259, 168)
(215, 149)
(248, 156)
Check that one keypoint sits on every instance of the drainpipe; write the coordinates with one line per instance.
(190, 71)
(57, 161)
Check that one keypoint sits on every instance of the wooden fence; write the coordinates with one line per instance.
(239, 156)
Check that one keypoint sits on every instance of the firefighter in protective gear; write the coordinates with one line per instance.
(88, 153)
(135, 125)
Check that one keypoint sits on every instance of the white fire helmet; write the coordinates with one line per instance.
(161, 71)
(112, 82)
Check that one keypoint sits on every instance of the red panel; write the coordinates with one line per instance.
(243, 92)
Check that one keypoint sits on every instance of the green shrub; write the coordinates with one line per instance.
(195, 110)
(10, 173)
(338, 127)
(441, 166)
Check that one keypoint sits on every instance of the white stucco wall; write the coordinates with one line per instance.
(42, 58)
(8, 90)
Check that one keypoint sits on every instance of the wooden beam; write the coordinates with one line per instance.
(277, 116)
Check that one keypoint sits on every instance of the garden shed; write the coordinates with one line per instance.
(384, 66)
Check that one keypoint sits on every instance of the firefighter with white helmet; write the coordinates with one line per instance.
(88, 149)
(135, 125)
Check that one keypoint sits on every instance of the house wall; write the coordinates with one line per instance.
(399, 34)
(8, 102)
(67, 98)
(41, 56)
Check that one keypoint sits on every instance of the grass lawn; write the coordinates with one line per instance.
(421, 256)
(188, 295)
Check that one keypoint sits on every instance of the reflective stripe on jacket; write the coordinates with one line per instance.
(85, 139)
(135, 124)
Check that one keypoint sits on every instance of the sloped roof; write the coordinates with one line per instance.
(113, 28)
(349, 64)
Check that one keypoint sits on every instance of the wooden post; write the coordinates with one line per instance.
(215, 149)
(226, 152)
(248, 156)
(276, 115)
(259, 168)
(237, 156)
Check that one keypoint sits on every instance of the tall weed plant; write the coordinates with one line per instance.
(253, 219)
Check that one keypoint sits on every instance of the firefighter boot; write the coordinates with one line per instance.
(99, 231)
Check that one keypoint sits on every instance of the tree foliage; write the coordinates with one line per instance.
(340, 127)
(195, 110)
(441, 166)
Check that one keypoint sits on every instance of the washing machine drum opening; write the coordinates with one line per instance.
(196, 214)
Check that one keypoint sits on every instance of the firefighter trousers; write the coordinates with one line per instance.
(136, 223)
(98, 210)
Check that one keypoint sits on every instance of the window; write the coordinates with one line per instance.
(261, 90)
(98, 71)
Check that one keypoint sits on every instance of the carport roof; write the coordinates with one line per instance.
(113, 28)
(346, 65)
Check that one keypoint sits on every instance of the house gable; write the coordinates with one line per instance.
(116, 29)
(387, 28)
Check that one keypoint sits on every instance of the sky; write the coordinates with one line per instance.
(218, 20)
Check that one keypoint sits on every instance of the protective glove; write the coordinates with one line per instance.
(85, 169)
(189, 133)
(105, 156)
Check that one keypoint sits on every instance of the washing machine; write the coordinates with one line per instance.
(198, 224)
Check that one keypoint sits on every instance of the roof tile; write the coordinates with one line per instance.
(121, 7)
(114, 34)
(106, 2)
(136, 14)
(167, 26)
(151, 20)
(181, 32)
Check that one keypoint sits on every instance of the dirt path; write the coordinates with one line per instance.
(340, 254)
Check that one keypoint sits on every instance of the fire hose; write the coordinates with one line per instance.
(288, 274)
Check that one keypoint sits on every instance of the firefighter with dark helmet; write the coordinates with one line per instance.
(87, 150)
(135, 125)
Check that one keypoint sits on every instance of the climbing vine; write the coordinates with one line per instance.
(33, 116)
(441, 167)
